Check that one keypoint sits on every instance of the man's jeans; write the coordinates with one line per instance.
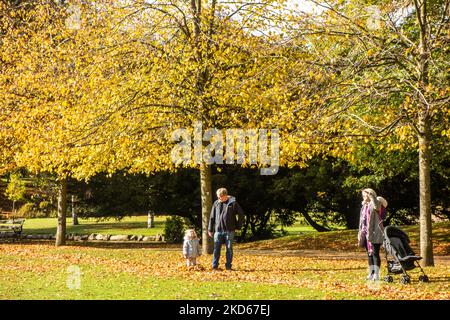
(219, 238)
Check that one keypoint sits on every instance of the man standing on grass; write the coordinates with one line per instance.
(222, 224)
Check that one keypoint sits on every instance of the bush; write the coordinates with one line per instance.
(26, 211)
(30, 210)
(402, 217)
(265, 232)
(174, 229)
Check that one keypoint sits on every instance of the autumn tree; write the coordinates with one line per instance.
(43, 84)
(107, 91)
(384, 73)
(15, 189)
(169, 65)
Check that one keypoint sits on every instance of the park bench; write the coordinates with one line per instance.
(13, 225)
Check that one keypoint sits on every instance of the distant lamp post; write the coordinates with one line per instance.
(150, 219)
(74, 215)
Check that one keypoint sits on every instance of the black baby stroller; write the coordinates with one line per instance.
(396, 244)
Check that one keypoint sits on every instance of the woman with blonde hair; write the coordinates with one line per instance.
(371, 231)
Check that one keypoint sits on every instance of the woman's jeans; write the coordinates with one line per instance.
(219, 238)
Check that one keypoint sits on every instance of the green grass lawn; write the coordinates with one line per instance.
(121, 286)
(128, 225)
(136, 225)
(298, 228)
(40, 270)
(270, 269)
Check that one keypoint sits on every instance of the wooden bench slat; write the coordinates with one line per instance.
(15, 221)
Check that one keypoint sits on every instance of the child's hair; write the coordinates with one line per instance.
(383, 201)
(187, 234)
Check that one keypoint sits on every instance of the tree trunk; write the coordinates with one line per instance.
(245, 228)
(206, 194)
(62, 211)
(352, 219)
(352, 210)
(314, 224)
(426, 245)
(205, 170)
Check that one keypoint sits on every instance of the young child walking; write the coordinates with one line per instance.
(191, 247)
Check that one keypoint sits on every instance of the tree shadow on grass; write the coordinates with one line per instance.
(439, 279)
(415, 280)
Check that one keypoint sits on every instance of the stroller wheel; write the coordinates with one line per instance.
(388, 279)
(405, 279)
(424, 278)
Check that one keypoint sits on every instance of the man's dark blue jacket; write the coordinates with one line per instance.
(227, 216)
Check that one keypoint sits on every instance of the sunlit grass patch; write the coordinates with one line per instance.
(42, 271)
(135, 225)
